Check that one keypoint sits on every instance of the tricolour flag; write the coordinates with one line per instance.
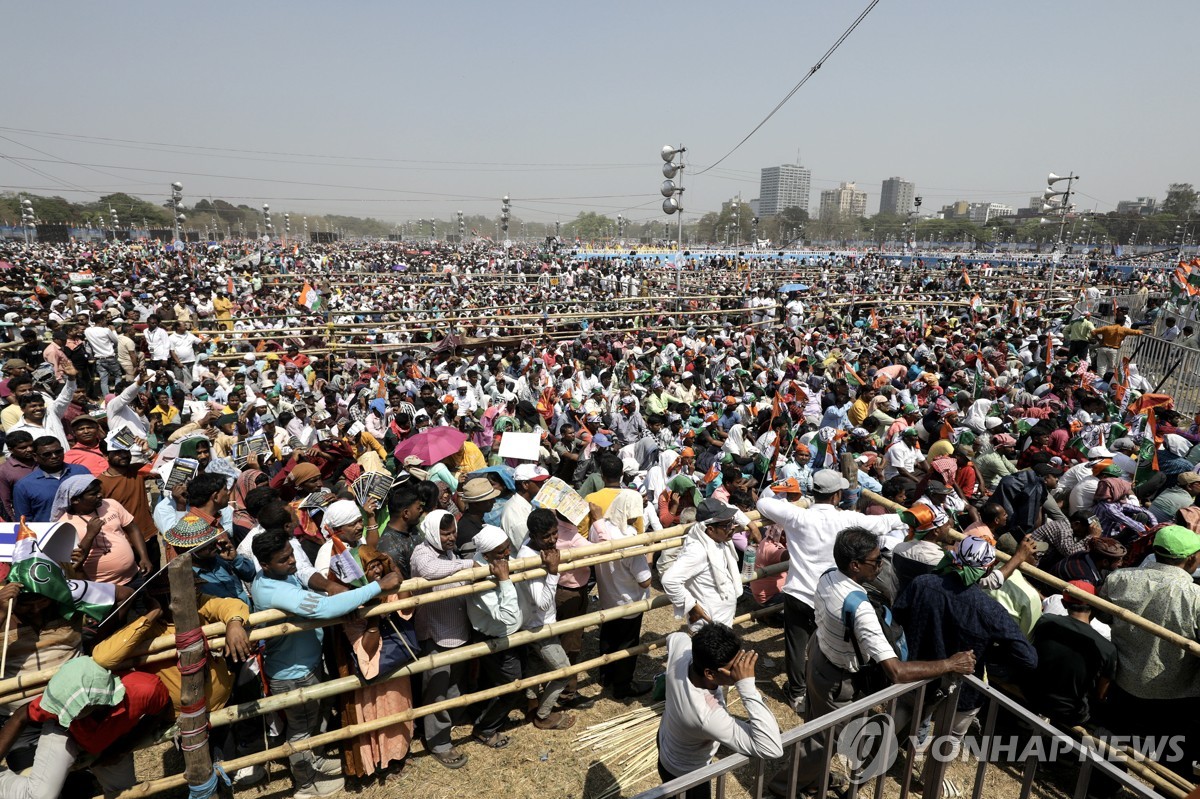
(310, 298)
(976, 303)
(344, 565)
(40, 575)
(852, 377)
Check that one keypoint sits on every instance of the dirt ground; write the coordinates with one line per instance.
(545, 765)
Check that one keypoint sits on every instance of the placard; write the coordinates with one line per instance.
(521, 446)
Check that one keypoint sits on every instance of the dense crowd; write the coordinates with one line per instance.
(316, 425)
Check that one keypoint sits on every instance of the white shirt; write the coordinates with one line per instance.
(900, 456)
(810, 535)
(515, 519)
(52, 424)
(159, 343)
(690, 582)
(183, 345)
(695, 722)
(537, 597)
(618, 582)
(102, 340)
(832, 589)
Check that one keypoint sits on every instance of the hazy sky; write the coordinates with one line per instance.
(401, 110)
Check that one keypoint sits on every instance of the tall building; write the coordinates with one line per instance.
(1143, 206)
(844, 202)
(897, 196)
(785, 186)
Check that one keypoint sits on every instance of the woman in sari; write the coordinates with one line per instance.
(243, 485)
(1119, 514)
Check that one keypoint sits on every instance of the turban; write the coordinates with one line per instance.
(340, 514)
(489, 538)
(1003, 440)
(304, 471)
(973, 551)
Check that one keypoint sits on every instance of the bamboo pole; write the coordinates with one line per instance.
(1137, 766)
(193, 728)
(1186, 644)
(1165, 773)
(168, 783)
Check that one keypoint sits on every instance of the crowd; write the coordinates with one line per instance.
(317, 425)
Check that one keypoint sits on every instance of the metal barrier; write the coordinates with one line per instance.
(1171, 369)
(826, 729)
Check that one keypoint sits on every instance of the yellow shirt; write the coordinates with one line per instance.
(602, 499)
(858, 412)
(128, 643)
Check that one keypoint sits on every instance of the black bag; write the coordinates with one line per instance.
(870, 676)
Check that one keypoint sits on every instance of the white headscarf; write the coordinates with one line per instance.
(488, 538)
(339, 514)
(1177, 444)
(737, 444)
(432, 528)
(618, 519)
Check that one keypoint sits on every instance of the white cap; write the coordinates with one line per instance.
(529, 471)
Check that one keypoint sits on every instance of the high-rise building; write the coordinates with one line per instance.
(844, 202)
(785, 186)
(980, 213)
(897, 196)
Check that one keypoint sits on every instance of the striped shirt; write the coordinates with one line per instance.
(444, 622)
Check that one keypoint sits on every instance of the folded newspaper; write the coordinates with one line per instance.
(556, 495)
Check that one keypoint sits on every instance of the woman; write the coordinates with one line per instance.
(111, 548)
(384, 750)
(243, 521)
(1118, 513)
(681, 494)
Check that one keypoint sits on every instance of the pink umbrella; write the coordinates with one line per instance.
(433, 445)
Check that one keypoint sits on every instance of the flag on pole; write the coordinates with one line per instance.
(976, 304)
(229, 287)
(310, 298)
(966, 277)
(874, 320)
(1049, 351)
(852, 377)
(36, 573)
(344, 564)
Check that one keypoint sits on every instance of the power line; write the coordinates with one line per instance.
(812, 71)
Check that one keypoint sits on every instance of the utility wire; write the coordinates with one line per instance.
(812, 71)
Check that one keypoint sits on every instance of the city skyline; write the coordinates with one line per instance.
(405, 112)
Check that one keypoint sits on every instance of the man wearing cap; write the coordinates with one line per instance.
(528, 478)
(496, 614)
(86, 451)
(810, 533)
(1076, 664)
(904, 457)
(1170, 500)
(704, 582)
(479, 496)
(1158, 682)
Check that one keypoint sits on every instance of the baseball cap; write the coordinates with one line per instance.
(937, 487)
(829, 481)
(1047, 470)
(1176, 542)
(714, 510)
(1082, 586)
(601, 440)
(528, 471)
(1188, 478)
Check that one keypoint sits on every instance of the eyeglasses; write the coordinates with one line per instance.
(874, 562)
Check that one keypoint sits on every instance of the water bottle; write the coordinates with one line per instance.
(750, 555)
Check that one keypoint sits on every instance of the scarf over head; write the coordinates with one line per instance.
(79, 684)
(970, 559)
(67, 491)
(431, 528)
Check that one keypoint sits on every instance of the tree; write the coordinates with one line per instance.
(1181, 200)
(588, 225)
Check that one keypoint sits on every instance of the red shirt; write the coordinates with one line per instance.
(144, 696)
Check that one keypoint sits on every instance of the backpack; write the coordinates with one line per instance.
(870, 676)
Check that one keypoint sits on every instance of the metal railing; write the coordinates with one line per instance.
(1169, 367)
(912, 695)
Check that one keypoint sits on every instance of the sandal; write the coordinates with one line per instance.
(555, 721)
(496, 741)
(451, 758)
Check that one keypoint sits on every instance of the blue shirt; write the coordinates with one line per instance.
(33, 494)
(227, 579)
(941, 616)
(296, 655)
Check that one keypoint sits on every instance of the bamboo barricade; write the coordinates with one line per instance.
(280, 752)
(1162, 778)
(1186, 644)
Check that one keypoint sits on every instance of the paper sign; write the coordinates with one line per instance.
(521, 446)
(558, 496)
(55, 539)
(182, 471)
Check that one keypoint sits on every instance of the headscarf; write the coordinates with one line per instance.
(1176, 444)
(431, 526)
(1058, 442)
(242, 486)
(737, 443)
(68, 490)
(79, 684)
(304, 471)
(971, 559)
(940, 449)
(626, 506)
(368, 554)
(339, 514)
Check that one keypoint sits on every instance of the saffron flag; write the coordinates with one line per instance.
(36, 573)
(344, 564)
(1049, 351)
(310, 298)
(966, 277)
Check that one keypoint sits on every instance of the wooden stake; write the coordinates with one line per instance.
(198, 768)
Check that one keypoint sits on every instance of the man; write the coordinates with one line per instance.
(1170, 500)
(19, 464)
(1108, 341)
(1075, 663)
(810, 533)
(627, 423)
(538, 609)
(704, 582)
(128, 356)
(294, 661)
(183, 353)
(1101, 557)
(904, 457)
(158, 343)
(1158, 683)
(612, 475)
(839, 658)
(479, 496)
(1065, 538)
(33, 496)
(1028, 498)
(41, 418)
(1078, 334)
(496, 614)
(528, 479)
(103, 341)
(948, 612)
(86, 712)
(695, 722)
(997, 464)
(86, 451)
(124, 482)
